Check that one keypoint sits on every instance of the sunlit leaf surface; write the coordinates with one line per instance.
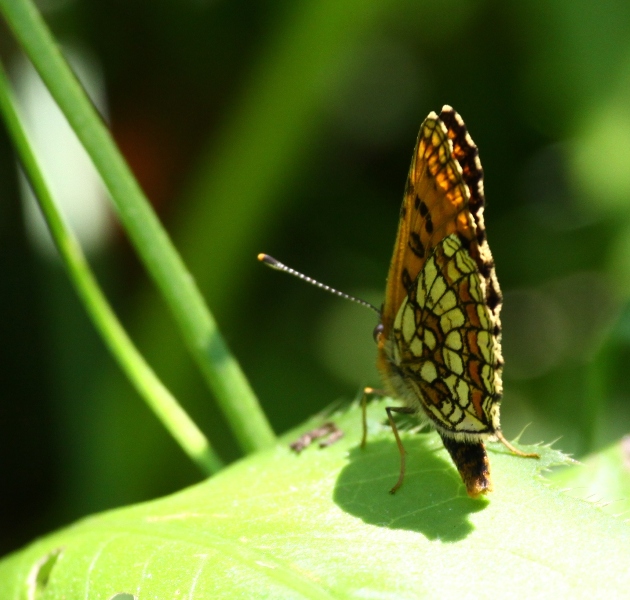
(602, 478)
(323, 525)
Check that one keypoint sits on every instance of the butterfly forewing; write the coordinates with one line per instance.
(435, 205)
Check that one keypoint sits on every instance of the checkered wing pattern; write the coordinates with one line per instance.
(439, 346)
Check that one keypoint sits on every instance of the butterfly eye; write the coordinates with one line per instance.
(378, 330)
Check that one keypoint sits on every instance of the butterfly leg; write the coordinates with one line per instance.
(514, 449)
(405, 411)
(328, 430)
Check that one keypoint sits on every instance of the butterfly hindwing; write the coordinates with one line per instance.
(443, 342)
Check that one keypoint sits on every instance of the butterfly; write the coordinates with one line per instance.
(439, 331)
(439, 339)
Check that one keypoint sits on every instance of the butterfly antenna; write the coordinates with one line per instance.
(276, 264)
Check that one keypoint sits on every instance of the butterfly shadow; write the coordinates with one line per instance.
(432, 500)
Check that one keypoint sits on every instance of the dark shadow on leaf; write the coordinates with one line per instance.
(432, 500)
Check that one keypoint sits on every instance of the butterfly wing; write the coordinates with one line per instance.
(434, 206)
(439, 348)
(443, 195)
(443, 343)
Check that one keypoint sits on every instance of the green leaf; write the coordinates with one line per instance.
(604, 477)
(323, 525)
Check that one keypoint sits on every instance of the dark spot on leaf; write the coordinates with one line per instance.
(41, 571)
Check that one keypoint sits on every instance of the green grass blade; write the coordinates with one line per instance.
(220, 369)
(160, 400)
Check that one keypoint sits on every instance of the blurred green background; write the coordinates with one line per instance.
(287, 127)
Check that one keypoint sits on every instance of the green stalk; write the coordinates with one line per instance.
(174, 418)
(220, 369)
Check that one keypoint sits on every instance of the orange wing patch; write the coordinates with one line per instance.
(435, 205)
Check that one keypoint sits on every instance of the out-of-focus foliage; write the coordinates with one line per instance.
(287, 128)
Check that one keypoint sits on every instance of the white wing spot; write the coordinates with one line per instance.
(428, 371)
(453, 319)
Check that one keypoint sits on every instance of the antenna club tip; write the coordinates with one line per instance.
(270, 261)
